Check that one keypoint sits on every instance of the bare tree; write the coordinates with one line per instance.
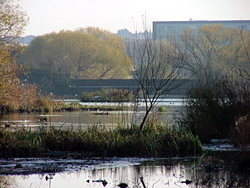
(245, 41)
(156, 66)
(213, 51)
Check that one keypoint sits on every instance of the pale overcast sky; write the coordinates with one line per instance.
(47, 16)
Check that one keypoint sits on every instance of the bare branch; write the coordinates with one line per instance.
(158, 64)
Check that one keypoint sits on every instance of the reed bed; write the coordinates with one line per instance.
(152, 141)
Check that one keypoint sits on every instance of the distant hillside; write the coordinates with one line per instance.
(26, 40)
(124, 33)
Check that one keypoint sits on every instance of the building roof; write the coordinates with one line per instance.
(202, 21)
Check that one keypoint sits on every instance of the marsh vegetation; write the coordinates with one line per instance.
(153, 141)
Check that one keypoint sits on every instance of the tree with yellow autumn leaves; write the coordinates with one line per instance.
(89, 53)
(12, 22)
(14, 94)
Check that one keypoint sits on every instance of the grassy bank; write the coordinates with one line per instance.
(152, 141)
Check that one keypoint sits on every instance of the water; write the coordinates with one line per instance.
(114, 172)
(91, 172)
(84, 119)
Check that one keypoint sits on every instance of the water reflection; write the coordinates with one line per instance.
(181, 172)
(154, 175)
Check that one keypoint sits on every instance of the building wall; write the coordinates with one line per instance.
(167, 29)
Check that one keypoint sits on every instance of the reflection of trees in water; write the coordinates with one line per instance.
(169, 172)
(154, 173)
(218, 173)
(158, 173)
(224, 178)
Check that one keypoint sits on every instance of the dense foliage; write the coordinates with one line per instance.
(56, 58)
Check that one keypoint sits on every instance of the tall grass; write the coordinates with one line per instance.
(152, 141)
(20, 142)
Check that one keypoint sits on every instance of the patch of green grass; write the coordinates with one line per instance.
(152, 141)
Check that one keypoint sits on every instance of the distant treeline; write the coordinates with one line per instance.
(91, 53)
(54, 59)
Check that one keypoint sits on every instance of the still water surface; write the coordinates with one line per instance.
(83, 119)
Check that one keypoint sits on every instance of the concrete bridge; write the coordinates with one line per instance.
(90, 85)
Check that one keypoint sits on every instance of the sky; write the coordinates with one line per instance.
(46, 16)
